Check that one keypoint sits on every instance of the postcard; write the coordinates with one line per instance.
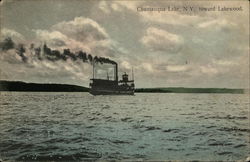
(124, 80)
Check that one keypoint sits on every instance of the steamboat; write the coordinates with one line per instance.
(112, 86)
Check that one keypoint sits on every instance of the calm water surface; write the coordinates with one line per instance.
(78, 126)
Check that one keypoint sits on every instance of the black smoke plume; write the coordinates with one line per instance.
(46, 53)
(104, 60)
(20, 50)
(7, 44)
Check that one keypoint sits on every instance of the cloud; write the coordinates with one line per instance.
(10, 56)
(108, 7)
(17, 37)
(147, 67)
(177, 68)
(161, 40)
(217, 24)
(172, 18)
(225, 62)
(118, 6)
(209, 70)
(78, 34)
(58, 40)
(53, 38)
(126, 65)
(82, 29)
(104, 7)
(129, 5)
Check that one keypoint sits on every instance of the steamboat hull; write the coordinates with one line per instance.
(110, 92)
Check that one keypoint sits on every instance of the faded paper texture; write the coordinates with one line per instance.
(194, 56)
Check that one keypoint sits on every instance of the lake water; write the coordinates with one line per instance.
(79, 126)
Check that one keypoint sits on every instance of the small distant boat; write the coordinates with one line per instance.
(112, 87)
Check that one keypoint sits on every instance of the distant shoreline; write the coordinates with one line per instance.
(40, 87)
(190, 90)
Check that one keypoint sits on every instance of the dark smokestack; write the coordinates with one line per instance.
(116, 72)
(93, 70)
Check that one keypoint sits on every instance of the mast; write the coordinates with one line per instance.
(116, 72)
(107, 75)
(132, 74)
(93, 70)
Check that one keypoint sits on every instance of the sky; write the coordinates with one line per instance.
(170, 48)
